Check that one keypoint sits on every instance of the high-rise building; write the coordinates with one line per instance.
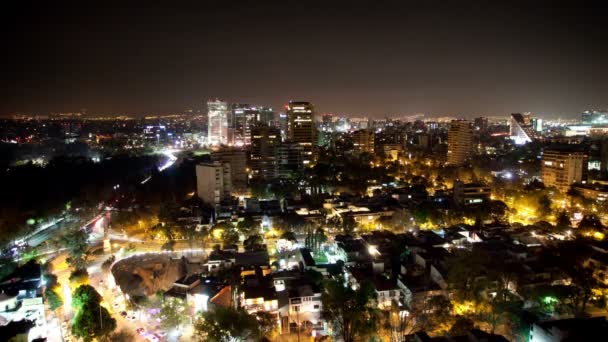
(460, 142)
(217, 116)
(245, 117)
(301, 128)
(363, 141)
(283, 125)
(289, 160)
(237, 158)
(213, 183)
(521, 128)
(265, 141)
(481, 124)
(563, 165)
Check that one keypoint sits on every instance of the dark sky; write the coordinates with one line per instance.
(375, 58)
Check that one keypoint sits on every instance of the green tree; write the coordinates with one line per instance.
(230, 237)
(247, 226)
(85, 294)
(226, 325)
(351, 312)
(92, 321)
(53, 299)
(75, 241)
(251, 242)
(563, 220)
(173, 312)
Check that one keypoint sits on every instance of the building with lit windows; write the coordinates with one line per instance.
(217, 126)
(460, 142)
(265, 141)
(521, 128)
(301, 128)
(563, 166)
(363, 141)
(470, 194)
(237, 158)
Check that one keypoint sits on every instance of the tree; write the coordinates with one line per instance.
(252, 242)
(461, 326)
(350, 311)
(348, 225)
(563, 220)
(119, 336)
(92, 321)
(289, 235)
(267, 323)
(168, 246)
(226, 325)
(173, 312)
(85, 294)
(247, 226)
(76, 243)
(230, 237)
(53, 299)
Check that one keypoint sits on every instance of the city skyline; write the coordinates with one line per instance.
(377, 60)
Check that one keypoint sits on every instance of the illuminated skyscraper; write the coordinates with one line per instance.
(217, 116)
(301, 128)
(245, 117)
(265, 141)
(460, 141)
(521, 129)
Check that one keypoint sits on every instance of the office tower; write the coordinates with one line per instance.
(213, 183)
(217, 116)
(289, 160)
(301, 128)
(264, 143)
(283, 125)
(237, 158)
(481, 124)
(563, 165)
(460, 141)
(245, 117)
(363, 141)
(521, 129)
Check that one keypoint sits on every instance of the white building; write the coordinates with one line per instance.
(213, 182)
(217, 122)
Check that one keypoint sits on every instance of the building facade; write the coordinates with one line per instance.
(213, 182)
(237, 158)
(561, 167)
(217, 126)
(265, 141)
(363, 141)
(301, 128)
(460, 142)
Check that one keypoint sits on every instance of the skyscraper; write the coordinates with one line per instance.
(363, 141)
(217, 116)
(245, 117)
(301, 128)
(265, 141)
(460, 140)
(564, 165)
(521, 129)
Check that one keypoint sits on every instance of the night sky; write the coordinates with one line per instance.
(348, 58)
